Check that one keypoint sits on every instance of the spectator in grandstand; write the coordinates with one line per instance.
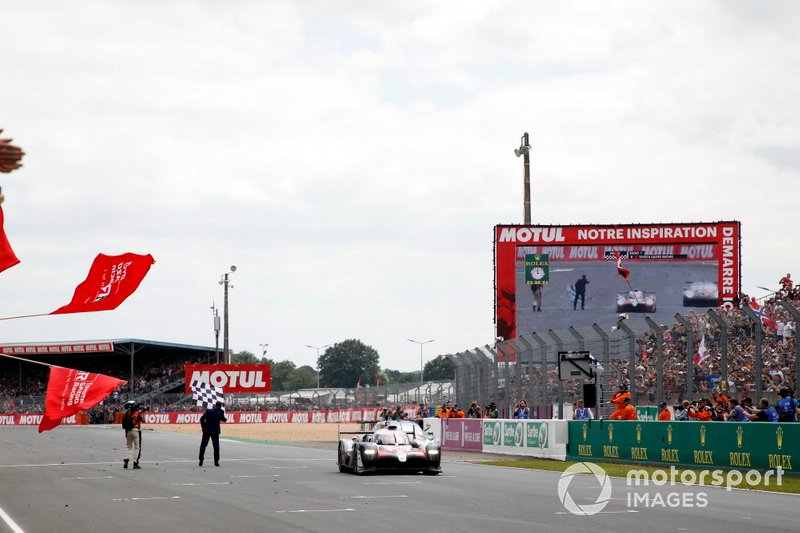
(626, 412)
(474, 410)
(787, 407)
(521, 410)
(663, 413)
(132, 424)
(786, 284)
(719, 412)
(700, 410)
(581, 412)
(580, 292)
(209, 422)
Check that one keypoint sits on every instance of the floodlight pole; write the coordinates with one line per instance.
(525, 150)
(215, 314)
(225, 282)
(421, 367)
(317, 348)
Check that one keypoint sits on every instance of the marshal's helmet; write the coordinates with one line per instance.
(130, 405)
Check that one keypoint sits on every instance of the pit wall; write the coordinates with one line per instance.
(749, 445)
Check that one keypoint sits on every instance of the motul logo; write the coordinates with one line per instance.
(30, 419)
(7, 420)
(300, 418)
(231, 379)
(153, 418)
(251, 418)
(278, 418)
(188, 418)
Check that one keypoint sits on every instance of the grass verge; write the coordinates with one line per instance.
(788, 483)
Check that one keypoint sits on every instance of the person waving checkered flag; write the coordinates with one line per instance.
(206, 395)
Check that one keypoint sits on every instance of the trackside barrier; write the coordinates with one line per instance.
(462, 434)
(546, 439)
(79, 419)
(751, 445)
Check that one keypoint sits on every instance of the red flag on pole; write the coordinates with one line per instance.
(7, 257)
(111, 279)
(70, 391)
(624, 272)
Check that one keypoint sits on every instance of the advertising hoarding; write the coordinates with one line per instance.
(554, 277)
(231, 378)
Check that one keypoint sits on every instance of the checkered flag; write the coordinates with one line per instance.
(206, 395)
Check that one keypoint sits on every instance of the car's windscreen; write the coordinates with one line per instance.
(392, 438)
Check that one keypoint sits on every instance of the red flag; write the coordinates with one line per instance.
(702, 352)
(624, 272)
(70, 391)
(358, 383)
(111, 279)
(765, 319)
(7, 257)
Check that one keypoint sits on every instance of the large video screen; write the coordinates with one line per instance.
(554, 277)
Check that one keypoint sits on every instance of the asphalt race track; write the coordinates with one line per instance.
(71, 479)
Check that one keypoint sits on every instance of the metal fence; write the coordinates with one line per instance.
(656, 361)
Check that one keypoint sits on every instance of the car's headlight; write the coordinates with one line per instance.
(433, 452)
(369, 451)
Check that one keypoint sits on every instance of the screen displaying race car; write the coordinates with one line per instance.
(636, 302)
(700, 294)
(387, 448)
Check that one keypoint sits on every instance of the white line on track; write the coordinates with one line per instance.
(372, 497)
(146, 499)
(10, 522)
(316, 511)
(202, 483)
(288, 467)
(391, 482)
(89, 477)
(270, 475)
(605, 512)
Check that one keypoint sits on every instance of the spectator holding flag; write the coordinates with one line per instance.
(210, 422)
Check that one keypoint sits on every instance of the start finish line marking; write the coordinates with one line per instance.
(201, 483)
(317, 511)
(146, 499)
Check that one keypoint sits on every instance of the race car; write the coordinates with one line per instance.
(636, 302)
(700, 294)
(388, 448)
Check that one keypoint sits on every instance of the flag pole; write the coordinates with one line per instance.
(23, 316)
(26, 360)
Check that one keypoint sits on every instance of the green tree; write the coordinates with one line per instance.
(244, 358)
(280, 373)
(439, 368)
(344, 363)
(304, 377)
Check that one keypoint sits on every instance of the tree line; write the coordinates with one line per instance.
(342, 365)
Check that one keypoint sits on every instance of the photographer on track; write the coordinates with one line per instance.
(132, 424)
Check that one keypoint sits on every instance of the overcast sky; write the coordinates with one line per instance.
(352, 158)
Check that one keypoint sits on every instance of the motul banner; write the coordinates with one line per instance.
(330, 416)
(59, 349)
(34, 420)
(231, 378)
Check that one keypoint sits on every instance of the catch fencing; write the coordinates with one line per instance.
(730, 351)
